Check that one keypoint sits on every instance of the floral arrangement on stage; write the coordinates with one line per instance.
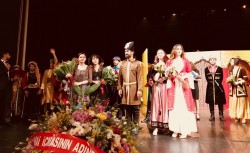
(108, 74)
(97, 125)
(64, 69)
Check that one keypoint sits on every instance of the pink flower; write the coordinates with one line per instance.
(100, 108)
(99, 144)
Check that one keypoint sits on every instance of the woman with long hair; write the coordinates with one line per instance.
(181, 106)
(159, 106)
(239, 108)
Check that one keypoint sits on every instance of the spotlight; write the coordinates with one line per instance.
(173, 14)
(224, 9)
(244, 6)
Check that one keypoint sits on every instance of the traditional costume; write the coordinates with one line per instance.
(239, 107)
(130, 81)
(31, 84)
(215, 94)
(180, 101)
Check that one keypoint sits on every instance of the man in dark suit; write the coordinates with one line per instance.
(5, 89)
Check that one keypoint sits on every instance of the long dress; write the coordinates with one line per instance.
(239, 106)
(181, 114)
(83, 75)
(32, 102)
(159, 106)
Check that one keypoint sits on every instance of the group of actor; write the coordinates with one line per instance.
(173, 99)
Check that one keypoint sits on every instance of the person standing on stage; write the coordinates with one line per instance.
(195, 91)
(215, 94)
(47, 85)
(95, 63)
(5, 89)
(239, 108)
(130, 84)
(17, 96)
(115, 96)
(31, 85)
(180, 101)
(159, 106)
(150, 82)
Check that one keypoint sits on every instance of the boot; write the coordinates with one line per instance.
(211, 108)
(221, 113)
(222, 118)
(147, 118)
(212, 118)
(136, 114)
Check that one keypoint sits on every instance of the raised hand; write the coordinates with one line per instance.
(52, 51)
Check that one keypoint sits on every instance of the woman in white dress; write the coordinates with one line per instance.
(182, 118)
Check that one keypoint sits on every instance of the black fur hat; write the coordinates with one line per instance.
(130, 46)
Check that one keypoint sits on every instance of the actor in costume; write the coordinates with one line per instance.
(115, 98)
(215, 94)
(96, 67)
(180, 101)
(31, 85)
(195, 91)
(130, 84)
(159, 107)
(17, 98)
(239, 108)
(5, 89)
(82, 75)
(47, 85)
(150, 82)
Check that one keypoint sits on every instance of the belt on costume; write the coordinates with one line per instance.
(33, 86)
(129, 83)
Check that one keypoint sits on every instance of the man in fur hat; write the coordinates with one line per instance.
(130, 84)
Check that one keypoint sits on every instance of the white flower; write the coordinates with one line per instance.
(117, 139)
(33, 126)
(124, 140)
(109, 134)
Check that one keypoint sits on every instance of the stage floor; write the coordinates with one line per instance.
(213, 137)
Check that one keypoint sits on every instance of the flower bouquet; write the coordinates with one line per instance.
(97, 126)
(160, 69)
(232, 79)
(108, 74)
(65, 68)
(170, 72)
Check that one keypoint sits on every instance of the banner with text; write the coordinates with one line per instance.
(61, 143)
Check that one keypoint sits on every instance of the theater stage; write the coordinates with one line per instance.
(213, 137)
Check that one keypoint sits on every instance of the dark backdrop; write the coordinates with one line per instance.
(103, 27)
